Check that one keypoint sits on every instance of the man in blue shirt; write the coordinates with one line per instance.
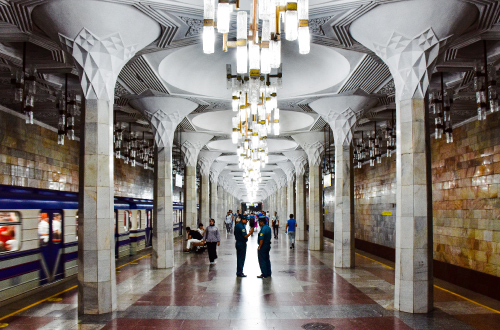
(241, 236)
(290, 228)
(264, 248)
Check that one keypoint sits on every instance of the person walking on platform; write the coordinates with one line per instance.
(228, 221)
(291, 224)
(241, 237)
(251, 219)
(276, 224)
(264, 248)
(212, 237)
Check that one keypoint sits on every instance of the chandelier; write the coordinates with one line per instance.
(440, 106)
(255, 103)
(485, 86)
(23, 82)
(253, 52)
(129, 147)
(68, 108)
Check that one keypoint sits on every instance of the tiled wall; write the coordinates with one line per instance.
(375, 192)
(31, 157)
(133, 181)
(466, 180)
(466, 207)
(329, 206)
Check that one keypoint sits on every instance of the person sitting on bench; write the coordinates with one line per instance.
(194, 239)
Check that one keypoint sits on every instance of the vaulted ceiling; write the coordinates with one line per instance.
(174, 65)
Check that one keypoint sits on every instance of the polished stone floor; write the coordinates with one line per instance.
(304, 292)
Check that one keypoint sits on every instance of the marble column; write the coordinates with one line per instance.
(289, 170)
(220, 194)
(341, 113)
(344, 207)
(299, 160)
(312, 143)
(163, 114)
(205, 159)
(191, 144)
(100, 49)
(411, 52)
(215, 170)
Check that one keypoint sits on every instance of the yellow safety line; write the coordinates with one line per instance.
(38, 302)
(55, 295)
(440, 288)
(470, 300)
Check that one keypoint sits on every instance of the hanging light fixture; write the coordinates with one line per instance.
(485, 86)
(264, 52)
(24, 84)
(440, 106)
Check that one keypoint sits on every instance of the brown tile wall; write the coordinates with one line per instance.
(375, 192)
(466, 179)
(31, 157)
(466, 207)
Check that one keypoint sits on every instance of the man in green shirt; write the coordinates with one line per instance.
(264, 248)
(241, 236)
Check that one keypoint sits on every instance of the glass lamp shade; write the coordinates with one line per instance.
(275, 48)
(265, 61)
(291, 25)
(208, 39)
(223, 17)
(304, 40)
(209, 9)
(254, 56)
(241, 59)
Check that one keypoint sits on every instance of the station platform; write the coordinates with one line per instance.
(304, 292)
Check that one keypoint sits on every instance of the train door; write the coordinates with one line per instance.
(149, 228)
(51, 242)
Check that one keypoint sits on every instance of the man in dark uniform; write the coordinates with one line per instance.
(241, 236)
(264, 248)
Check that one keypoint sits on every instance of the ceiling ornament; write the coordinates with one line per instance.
(312, 143)
(99, 61)
(206, 158)
(195, 26)
(215, 170)
(191, 144)
(315, 25)
(410, 61)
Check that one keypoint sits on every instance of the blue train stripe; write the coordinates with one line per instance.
(70, 256)
(18, 270)
(137, 238)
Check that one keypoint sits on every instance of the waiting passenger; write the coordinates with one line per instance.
(201, 229)
(194, 239)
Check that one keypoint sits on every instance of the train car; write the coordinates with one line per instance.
(39, 235)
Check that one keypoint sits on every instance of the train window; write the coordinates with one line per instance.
(43, 228)
(10, 231)
(138, 219)
(126, 221)
(144, 220)
(56, 228)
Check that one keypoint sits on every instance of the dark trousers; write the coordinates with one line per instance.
(212, 250)
(241, 253)
(264, 261)
(228, 227)
(275, 231)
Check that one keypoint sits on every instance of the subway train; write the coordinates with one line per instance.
(38, 235)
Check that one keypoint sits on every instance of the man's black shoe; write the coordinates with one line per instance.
(261, 276)
(241, 275)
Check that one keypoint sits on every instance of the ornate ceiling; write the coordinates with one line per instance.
(174, 65)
